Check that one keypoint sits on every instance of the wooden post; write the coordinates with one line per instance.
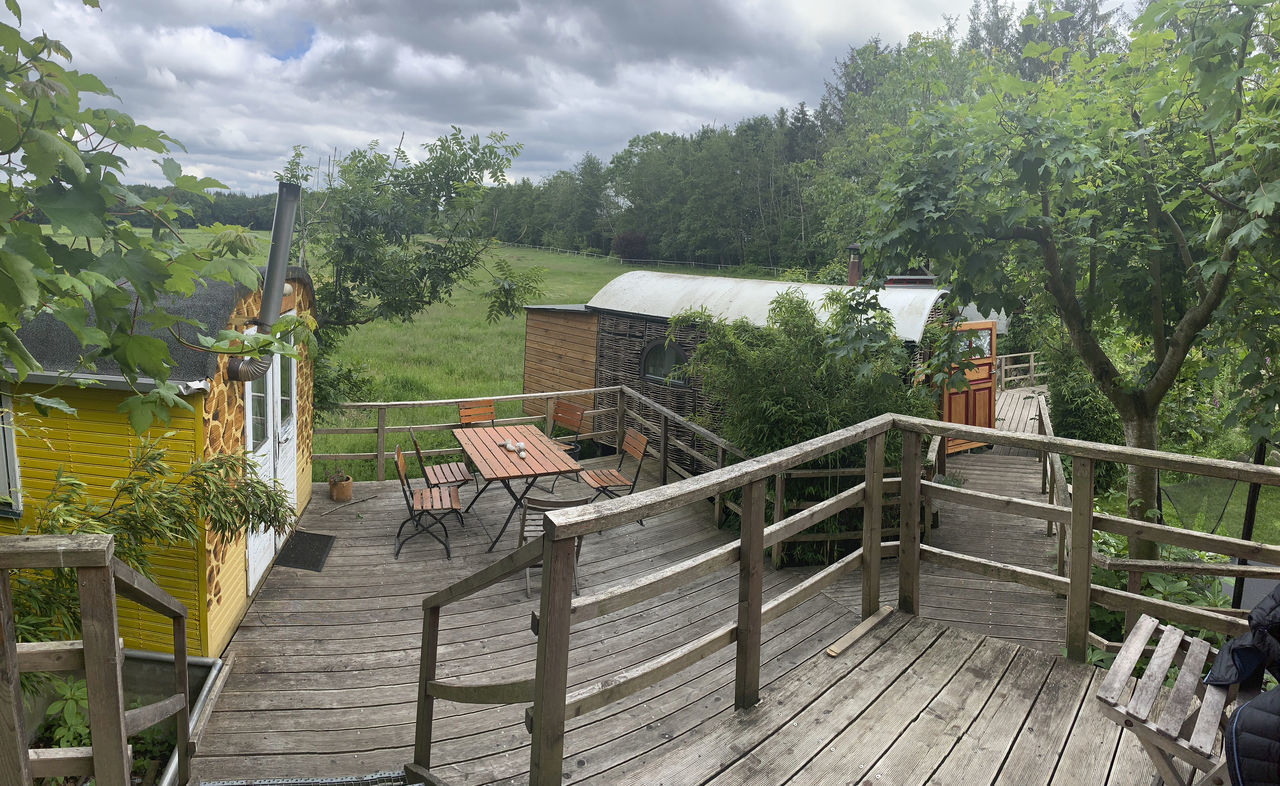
(871, 526)
(620, 428)
(1081, 554)
(750, 596)
(382, 443)
(662, 450)
(550, 406)
(718, 500)
(103, 683)
(13, 737)
(551, 677)
(426, 673)
(1134, 585)
(183, 718)
(1031, 369)
(779, 513)
(909, 537)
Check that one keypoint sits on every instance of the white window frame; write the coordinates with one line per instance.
(9, 475)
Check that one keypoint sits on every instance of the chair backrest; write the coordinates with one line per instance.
(422, 464)
(404, 480)
(569, 415)
(471, 412)
(543, 505)
(634, 444)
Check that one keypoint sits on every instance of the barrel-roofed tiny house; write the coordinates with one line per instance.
(269, 416)
(628, 319)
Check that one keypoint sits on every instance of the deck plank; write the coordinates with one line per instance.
(326, 663)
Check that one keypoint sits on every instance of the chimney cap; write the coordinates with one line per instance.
(854, 246)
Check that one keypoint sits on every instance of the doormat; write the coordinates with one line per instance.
(305, 550)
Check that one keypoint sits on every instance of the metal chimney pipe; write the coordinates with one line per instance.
(287, 198)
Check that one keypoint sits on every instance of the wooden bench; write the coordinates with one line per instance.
(1186, 730)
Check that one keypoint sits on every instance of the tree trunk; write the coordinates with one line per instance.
(1140, 431)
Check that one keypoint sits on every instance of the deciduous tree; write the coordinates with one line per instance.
(1138, 190)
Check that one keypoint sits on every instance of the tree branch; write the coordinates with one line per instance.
(1192, 322)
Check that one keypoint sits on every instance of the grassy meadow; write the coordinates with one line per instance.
(449, 351)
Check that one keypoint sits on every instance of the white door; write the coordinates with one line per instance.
(270, 439)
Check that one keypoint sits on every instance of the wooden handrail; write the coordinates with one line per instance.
(659, 431)
(554, 703)
(100, 578)
(1194, 465)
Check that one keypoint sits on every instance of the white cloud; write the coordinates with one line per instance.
(241, 81)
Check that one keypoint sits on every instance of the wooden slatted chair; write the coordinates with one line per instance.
(433, 502)
(569, 416)
(454, 473)
(611, 482)
(1187, 727)
(476, 413)
(537, 505)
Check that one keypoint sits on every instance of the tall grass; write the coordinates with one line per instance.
(450, 352)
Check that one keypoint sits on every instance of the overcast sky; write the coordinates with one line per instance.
(239, 82)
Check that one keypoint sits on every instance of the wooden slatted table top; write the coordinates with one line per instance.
(543, 456)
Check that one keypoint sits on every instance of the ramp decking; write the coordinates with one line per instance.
(324, 678)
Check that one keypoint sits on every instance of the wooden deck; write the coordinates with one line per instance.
(324, 677)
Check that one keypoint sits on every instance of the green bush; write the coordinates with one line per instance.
(802, 376)
(1080, 411)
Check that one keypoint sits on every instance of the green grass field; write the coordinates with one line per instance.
(450, 352)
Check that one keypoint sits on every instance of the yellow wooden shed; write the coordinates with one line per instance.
(269, 417)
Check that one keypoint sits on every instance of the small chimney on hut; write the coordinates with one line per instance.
(855, 264)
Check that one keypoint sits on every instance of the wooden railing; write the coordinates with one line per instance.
(1017, 371)
(98, 654)
(553, 703)
(630, 409)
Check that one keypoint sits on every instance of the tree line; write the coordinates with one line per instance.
(794, 188)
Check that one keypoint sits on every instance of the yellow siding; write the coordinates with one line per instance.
(94, 447)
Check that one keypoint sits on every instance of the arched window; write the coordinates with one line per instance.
(658, 362)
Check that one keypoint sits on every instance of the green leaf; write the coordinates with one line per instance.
(78, 209)
(45, 404)
(170, 169)
(1248, 234)
(14, 9)
(18, 285)
(1263, 201)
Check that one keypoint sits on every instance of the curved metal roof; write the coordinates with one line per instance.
(667, 294)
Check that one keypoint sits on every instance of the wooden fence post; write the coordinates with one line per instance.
(183, 749)
(779, 513)
(382, 443)
(13, 738)
(426, 702)
(550, 406)
(750, 596)
(909, 537)
(103, 683)
(1080, 566)
(871, 526)
(718, 500)
(620, 428)
(662, 449)
(1031, 369)
(546, 753)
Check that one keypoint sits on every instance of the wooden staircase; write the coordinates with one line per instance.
(100, 578)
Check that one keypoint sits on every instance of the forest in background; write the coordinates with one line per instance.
(792, 189)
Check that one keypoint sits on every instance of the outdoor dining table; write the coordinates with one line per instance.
(543, 457)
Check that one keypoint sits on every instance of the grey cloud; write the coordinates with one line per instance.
(560, 76)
